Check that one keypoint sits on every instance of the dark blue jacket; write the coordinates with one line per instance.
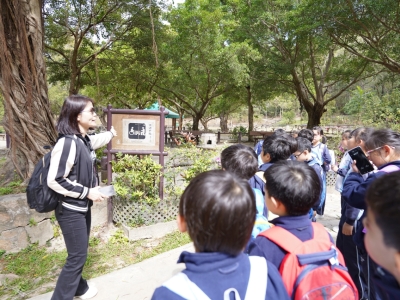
(354, 190)
(215, 272)
(300, 226)
(313, 163)
(386, 285)
(257, 183)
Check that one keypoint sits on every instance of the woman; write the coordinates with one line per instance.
(72, 173)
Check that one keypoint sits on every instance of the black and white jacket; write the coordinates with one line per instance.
(72, 171)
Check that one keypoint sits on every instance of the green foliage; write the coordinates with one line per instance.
(32, 222)
(119, 238)
(288, 116)
(183, 165)
(137, 179)
(2, 252)
(235, 131)
(13, 187)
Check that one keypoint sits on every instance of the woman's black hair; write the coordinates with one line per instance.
(381, 137)
(220, 210)
(68, 119)
(295, 184)
(383, 199)
(361, 133)
(240, 160)
(306, 133)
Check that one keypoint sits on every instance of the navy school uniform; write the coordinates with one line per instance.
(215, 272)
(300, 226)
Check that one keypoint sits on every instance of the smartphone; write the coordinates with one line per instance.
(362, 162)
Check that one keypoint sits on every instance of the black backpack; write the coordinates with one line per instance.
(38, 195)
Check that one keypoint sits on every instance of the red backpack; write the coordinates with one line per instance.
(313, 269)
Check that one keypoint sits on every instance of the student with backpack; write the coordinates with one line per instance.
(304, 154)
(218, 210)
(350, 219)
(322, 155)
(241, 161)
(382, 238)
(383, 150)
(303, 251)
(72, 174)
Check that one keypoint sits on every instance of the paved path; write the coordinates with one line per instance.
(138, 281)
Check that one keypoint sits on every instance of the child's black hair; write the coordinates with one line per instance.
(306, 133)
(319, 130)
(292, 141)
(361, 133)
(279, 132)
(240, 160)
(295, 184)
(346, 134)
(303, 144)
(278, 148)
(383, 199)
(220, 210)
(381, 137)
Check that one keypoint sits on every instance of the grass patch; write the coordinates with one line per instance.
(38, 269)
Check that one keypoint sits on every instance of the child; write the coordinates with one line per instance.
(259, 146)
(304, 154)
(350, 217)
(322, 155)
(383, 147)
(382, 238)
(241, 161)
(218, 210)
(292, 188)
(275, 148)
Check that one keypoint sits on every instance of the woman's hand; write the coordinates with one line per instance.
(347, 229)
(113, 131)
(95, 195)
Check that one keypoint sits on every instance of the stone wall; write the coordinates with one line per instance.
(20, 226)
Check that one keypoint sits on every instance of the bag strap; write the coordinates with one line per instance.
(283, 238)
(181, 285)
(288, 241)
(257, 286)
(260, 174)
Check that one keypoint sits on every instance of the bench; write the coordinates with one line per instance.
(259, 135)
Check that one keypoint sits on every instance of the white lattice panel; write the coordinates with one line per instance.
(125, 212)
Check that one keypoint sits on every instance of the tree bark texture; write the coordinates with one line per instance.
(223, 122)
(250, 112)
(27, 117)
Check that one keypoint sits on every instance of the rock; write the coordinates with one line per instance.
(15, 212)
(41, 232)
(7, 277)
(14, 240)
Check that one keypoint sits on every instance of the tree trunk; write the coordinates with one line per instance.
(250, 112)
(314, 116)
(27, 117)
(205, 124)
(223, 122)
(196, 119)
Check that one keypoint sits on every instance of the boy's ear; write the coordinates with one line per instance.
(279, 208)
(181, 223)
(265, 157)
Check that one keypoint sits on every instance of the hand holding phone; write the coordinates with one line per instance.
(362, 162)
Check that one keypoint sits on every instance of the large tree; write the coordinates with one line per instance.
(199, 61)
(28, 119)
(77, 32)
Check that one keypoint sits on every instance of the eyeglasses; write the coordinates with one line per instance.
(296, 156)
(92, 110)
(370, 151)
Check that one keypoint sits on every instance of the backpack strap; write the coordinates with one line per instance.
(283, 238)
(257, 286)
(260, 174)
(181, 285)
(288, 241)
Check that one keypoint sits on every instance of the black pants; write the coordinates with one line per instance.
(75, 227)
(352, 259)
